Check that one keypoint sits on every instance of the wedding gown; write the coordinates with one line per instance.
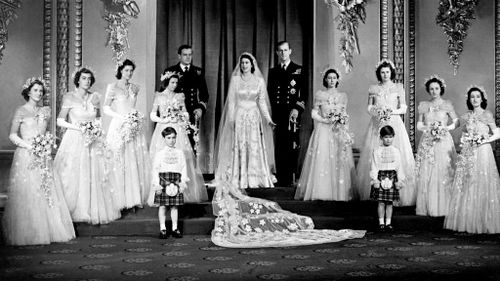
(83, 170)
(475, 195)
(31, 215)
(390, 97)
(131, 166)
(248, 222)
(329, 165)
(435, 162)
(165, 101)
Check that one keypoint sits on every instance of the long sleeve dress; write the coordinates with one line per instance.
(169, 110)
(475, 195)
(35, 212)
(329, 165)
(130, 173)
(435, 161)
(392, 97)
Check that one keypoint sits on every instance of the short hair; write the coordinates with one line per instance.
(382, 65)
(122, 66)
(435, 80)
(282, 43)
(331, 70)
(387, 131)
(164, 83)
(79, 73)
(25, 93)
(168, 131)
(484, 101)
(247, 56)
(183, 47)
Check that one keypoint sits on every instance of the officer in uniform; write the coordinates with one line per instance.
(287, 103)
(192, 83)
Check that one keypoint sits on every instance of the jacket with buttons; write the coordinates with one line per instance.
(285, 89)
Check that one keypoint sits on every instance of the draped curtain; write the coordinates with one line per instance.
(219, 31)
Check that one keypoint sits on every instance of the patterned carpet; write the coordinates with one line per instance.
(439, 255)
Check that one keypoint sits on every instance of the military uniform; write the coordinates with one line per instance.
(192, 83)
(286, 93)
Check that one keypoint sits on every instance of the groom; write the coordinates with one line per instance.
(287, 103)
(192, 83)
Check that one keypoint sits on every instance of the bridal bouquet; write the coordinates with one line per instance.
(91, 130)
(472, 139)
(383, 113)
(437, 131)
(338, 117)
(41, 154)
(132, 125)
(174, 113)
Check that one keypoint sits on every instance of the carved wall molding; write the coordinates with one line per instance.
(399, 40)
(497, 70)
(411, 72)
(47, 50)
(78, 32)
(62, 52)
(7, 15)
(384, 29)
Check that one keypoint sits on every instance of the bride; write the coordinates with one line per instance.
(243, 221)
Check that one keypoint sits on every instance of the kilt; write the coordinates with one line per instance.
(162, 198)
(391, 194)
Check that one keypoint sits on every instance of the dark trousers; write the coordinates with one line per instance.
(285, 154)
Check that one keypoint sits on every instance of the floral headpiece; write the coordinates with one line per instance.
(481, 88)
(435, 76)
(31, 80)
(80, 68)
(167, 75)
(385, 61)
(120, 63)
(332, 68)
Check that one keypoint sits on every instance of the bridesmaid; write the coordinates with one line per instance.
(475, 196)
(329, 164)
(386, 104)
(36, 212)
(435, 163)
(80, 163)
(169, 110)
(131, 164)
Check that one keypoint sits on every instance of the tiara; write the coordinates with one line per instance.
(481, 88)
(327, 67)
(167, 75)
(80, 68)
(32, 80)
(435, 76)
(385, 61)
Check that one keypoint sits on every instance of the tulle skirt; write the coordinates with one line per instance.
(475, 196)
(408, 194)
(28, 217)
(196, 190)
(435, 176)
(84, 176)
(130, 170)
(328, 167)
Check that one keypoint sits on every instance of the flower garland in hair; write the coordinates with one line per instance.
(481, 88)
(351, 13)
(31, 80)
(118, 18)
(455, 17)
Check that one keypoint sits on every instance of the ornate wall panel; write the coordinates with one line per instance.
(78, 32)
(497, 70)
(62, 52)
(47, 50)
(411, 72)
(384, 29)
(398, 43)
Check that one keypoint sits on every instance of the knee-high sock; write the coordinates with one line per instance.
(174, 214)
(162, 217)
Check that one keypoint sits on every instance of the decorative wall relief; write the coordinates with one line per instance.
(497, 70)
(7, 15)
(117, 14)
(455, 17)
(351, 13)
(47, 51)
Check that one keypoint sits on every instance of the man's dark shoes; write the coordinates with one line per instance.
(176, 233)
(381, 228)
(389, 228)
(163, 234)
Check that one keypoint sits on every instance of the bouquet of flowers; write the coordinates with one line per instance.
(338, 117)
(437, 131)
(41, 154)
(131, 126)
(472, 139)
(383, 113)
(91, 130)
(174, 113)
